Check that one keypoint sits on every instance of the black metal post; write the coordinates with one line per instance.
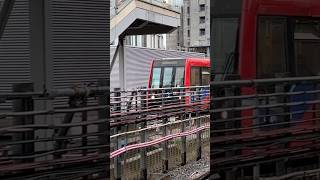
(117, 164)
(165, 147)
(143, 153)
(183, 142)
(199, 139)
(104, 128)
(22, 105)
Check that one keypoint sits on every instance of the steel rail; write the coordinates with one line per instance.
(265, 125)
(53, 138)
(66, 92)
(255, 82)
(260, 135)
(293, 174)
(52, 111)
(50, 152)
(156, 109)
(160, 125)
(255, 95)
(256, 145)
(157, 141)
(122, 121)
(54, 162)
(31, 127)
(157, 89)
(245, 160)
(268, 106)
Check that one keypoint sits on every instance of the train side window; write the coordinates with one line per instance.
(156, 74)
(307, 46)
(271, 46)
(195, 76)
(205, 76)
(179, 77)
(167, 77)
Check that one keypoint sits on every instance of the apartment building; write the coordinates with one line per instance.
(194, 33)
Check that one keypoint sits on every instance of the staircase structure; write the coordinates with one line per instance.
(140, 17)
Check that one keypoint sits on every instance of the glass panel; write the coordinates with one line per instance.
(195, 76)
(225, 38)
(167, 77)
(205, 75)
(202, 19)
(179, 77)
(202, 32)
(272, 47)
(202, 7)
(156, 78)
(307, 47)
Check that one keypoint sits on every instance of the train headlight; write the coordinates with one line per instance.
(224, 115)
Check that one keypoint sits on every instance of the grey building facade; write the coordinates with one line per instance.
(195, 28)
(175, 40)
(196, 25)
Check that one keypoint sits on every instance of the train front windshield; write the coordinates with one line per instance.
(164, 77)
(288, 45)
(225, 32)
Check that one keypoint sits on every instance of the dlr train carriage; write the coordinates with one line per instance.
(189, 78)
(265, 39)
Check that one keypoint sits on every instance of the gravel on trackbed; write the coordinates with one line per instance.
(190, 171)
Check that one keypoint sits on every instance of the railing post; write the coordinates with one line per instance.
(199, 147)
(117, 163)
(143, 99)
(256, 172)
(230, 174)
(21, 105)
(84, 132)
(118, 159)
(165, 147)
(104, 128)
(183, 142)
(84, 127)
(279, 88)
(143, 153)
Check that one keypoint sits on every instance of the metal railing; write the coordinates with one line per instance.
(264, 127)
(40, 141)
(156, 130)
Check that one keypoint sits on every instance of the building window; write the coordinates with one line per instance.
(188, 33)
(188, 10)
(202, 7)
(188, 21)
(202, 19)
(202, 32)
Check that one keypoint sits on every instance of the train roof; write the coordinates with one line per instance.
(177, 61)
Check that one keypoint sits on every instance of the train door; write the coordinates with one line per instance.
(199, 81)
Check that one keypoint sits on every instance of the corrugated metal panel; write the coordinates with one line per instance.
(78, 41)
(138, 61)
(15, 49)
